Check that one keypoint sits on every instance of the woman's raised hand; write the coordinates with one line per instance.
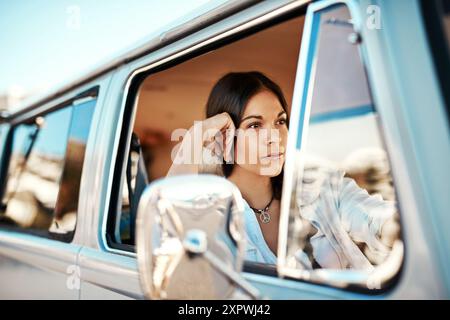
(215, 132)
(223, 124)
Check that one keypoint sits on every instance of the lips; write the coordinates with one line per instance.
(274, 156)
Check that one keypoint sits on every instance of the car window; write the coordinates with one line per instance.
(43, 178)
(175, 98)
(343, 211)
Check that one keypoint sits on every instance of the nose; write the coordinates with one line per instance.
(273, 136)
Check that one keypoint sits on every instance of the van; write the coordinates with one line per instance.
(366, 82)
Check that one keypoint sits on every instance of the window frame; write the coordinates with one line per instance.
(20, 118)
(129, 106)
(300, 112)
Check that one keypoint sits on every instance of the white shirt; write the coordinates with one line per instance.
(342, 212)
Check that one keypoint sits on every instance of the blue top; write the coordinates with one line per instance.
(257, 249)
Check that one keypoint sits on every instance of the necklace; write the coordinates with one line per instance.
(264, 214)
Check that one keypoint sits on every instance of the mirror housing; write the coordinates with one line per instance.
(191, 239)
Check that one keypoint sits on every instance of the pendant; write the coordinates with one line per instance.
(264, 217)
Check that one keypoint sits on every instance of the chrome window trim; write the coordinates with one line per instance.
(266, 17)
(59, 103)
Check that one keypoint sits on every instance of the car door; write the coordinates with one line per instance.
(338, 91)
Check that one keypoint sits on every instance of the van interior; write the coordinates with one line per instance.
(176, 97)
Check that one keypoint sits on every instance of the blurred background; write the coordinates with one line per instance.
(47, 42)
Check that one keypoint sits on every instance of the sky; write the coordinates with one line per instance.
(44, 43)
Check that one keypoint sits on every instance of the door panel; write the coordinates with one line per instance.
(36, 268)
(106, 275)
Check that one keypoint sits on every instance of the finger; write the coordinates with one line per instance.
(229, 143)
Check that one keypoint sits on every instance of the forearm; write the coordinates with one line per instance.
(185, 159)
(179, 169)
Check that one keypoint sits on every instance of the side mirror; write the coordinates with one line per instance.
(190, 239)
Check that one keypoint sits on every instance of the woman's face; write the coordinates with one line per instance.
(262, 135)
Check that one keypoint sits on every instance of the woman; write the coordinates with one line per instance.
(252, 112)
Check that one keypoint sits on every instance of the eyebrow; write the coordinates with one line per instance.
(260, 117)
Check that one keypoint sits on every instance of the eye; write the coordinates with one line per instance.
(253, 125)
(282, 121)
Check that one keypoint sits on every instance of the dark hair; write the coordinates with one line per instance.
(231, 94)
